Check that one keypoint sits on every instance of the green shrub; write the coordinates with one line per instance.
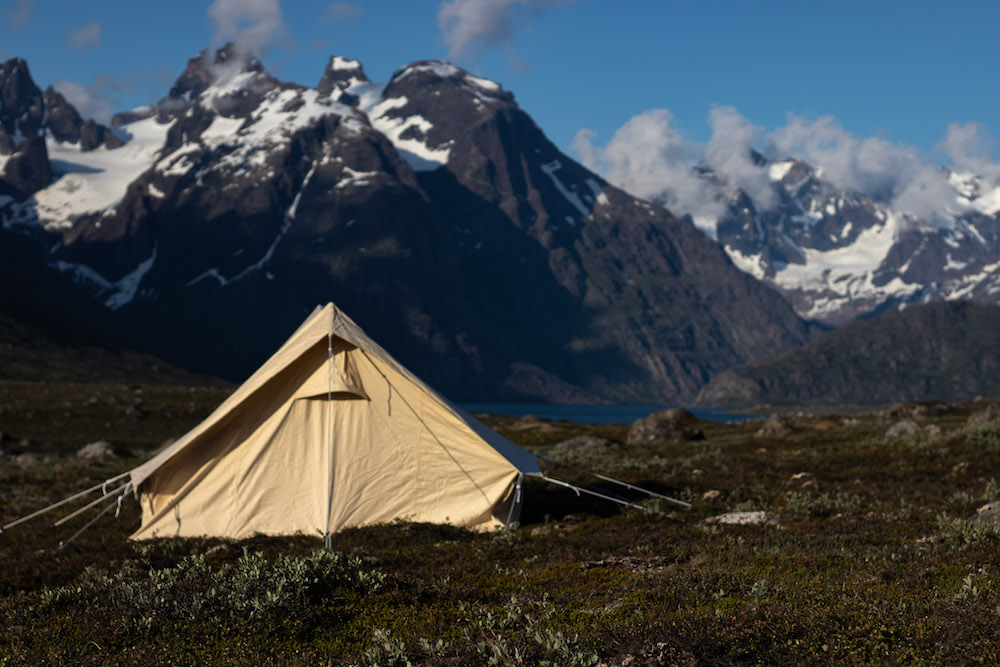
(287, 590)
(804, 505)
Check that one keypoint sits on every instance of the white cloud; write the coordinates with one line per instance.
(86, 35)
(341, 11)
(18, 17)
(471, 26)
(253, 26)
(650, 158)
(728, 154)
(970, 147)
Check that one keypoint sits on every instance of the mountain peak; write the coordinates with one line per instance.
(340, 75)
(230, 80)
(435, 72)
(204, 71)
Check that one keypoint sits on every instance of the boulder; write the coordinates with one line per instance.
(27, 460)
(774, 427)
(987, 514)
(96, 451)
(586, 443)
(665, 426)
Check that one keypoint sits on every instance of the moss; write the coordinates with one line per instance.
(872, 562)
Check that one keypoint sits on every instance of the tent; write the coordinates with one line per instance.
(329, 433)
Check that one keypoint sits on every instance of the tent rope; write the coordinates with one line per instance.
(86, 507)
(619, 482)
(580, 489)
(64, 501)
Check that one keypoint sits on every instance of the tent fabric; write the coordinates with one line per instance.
(331, 432)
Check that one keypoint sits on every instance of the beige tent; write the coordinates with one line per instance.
(331, 432)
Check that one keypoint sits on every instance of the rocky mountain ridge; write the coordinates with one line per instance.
(838, 254)
(431, 208)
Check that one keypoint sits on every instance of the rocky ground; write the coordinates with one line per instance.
(861, 538)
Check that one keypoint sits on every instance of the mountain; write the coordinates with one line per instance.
(937, 351)
(430, 207)
(43, 336)
(837, 254)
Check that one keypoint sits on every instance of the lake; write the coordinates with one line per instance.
(597, 414)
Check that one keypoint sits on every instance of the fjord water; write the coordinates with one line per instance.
(596, 414)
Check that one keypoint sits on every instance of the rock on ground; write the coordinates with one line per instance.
(96, 451)
(754, 518)
(665, 426)
(774, 427)
(988, 514)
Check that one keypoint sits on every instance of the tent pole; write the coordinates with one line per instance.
(62, 502)
(619, 482)
(327, 538)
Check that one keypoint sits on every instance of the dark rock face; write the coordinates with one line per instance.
(26, 114)
(665, 426)
(445, 223)
(22, 110)
(27, 170)
(934, 352)
(65, 123)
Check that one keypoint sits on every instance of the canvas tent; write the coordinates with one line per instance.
(331, 432)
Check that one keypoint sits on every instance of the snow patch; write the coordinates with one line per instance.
(550, 170)
(88, 181)
(779, 170)
(414, 149)
(125, 289)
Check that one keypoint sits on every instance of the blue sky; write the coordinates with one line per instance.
(898, 71)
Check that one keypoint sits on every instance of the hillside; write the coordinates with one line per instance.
(51, 332)
(938, 351)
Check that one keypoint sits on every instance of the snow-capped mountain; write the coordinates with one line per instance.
(430, 207)
(838, 255)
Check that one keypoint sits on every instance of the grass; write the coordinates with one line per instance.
(868, 559)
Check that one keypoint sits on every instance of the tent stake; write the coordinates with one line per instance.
(112, 505)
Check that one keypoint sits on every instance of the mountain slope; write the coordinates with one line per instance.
(936, 351)
(431, 208)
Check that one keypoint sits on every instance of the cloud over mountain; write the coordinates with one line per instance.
(650, 157)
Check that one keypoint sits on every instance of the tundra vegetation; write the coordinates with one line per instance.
(864, 546)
